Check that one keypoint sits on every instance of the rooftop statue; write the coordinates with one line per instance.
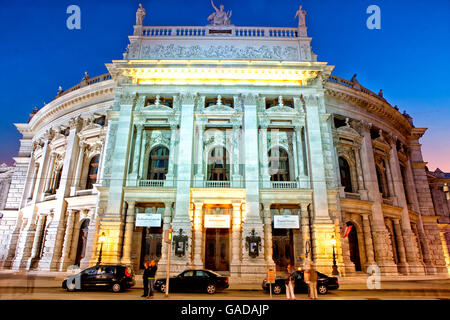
(301, 17)
(220, 17)
(140, 15)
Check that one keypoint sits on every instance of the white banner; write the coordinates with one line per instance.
(286, 222)
(148, 220)
(217, 221)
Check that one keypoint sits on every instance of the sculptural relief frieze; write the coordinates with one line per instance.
(172, 51)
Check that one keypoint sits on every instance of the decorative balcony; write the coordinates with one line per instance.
(282, 185)
(156, 183)
(217, 184)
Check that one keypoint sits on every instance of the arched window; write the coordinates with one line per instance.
(159, 163)
(381, 176)
(278, 165)
(346, 179)
(57, 180)
(218, 168)
(92, 173)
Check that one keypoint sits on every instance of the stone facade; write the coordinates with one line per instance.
(251, 151)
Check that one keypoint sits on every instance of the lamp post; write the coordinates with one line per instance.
(101, 239)
(445, 189)
(334, 271)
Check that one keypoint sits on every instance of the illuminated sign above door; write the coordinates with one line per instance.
(217, 221)
(285, 222)
(148, 220)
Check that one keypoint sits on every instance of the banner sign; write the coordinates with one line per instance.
(286, 222)
(148, 220)
(217, 221)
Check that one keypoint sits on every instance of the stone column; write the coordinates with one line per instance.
(198, 234)
(368, 239)
(181, 218)
(142, 157)
(264, 156)
(64, 261)
(295, 156)
(253, 267)
(199, 177)
(77, 182)
(268, 244)
(412, 256)
(128, 236)
(166, 226)
(237, 178)
(389, 177)
(170, 171)
(36, 241)
(50, 175)
(359, 171)
(33, 181)
(236, 237)
(380, 235)
(403, 265)
(302, 178)
(75, 235)
(306, 232)
(136, 155)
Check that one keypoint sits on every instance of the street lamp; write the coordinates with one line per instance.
(334, 271)
(101, 239)
(446, 191)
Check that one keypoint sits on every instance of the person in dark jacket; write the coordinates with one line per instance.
(145, 278)
(151, 278)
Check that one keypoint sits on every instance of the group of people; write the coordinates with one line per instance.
(149, 278)
(310, 277)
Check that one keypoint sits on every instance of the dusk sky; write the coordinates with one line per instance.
(408, 58)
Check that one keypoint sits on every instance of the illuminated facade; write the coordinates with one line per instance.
(240, 140)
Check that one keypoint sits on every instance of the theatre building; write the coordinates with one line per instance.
(242, 141)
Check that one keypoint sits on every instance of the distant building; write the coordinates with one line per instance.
(240, 140)
(6, 173)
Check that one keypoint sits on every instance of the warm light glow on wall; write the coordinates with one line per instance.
(220, 76)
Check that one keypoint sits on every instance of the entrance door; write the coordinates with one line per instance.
(217, 249)
(151, 245)
(82, 240)
(283, 248)
(354, 247)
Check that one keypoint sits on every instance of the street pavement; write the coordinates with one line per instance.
(39, 286)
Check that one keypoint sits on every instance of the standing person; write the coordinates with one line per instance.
(312, 281)
(290, 283)
(151, 278)
(145, 278)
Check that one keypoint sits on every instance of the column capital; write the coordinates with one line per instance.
(365, 127)
(139, 126)
(131, 204)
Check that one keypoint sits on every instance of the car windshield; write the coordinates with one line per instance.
(214, 273)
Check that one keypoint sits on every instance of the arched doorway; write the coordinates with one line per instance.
(82, 241)
(346, 179)
(151, 248)
(218, 165)
(92, 173)
(354, 247)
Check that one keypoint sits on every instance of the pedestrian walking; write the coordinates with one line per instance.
(290, 283)
(151, 278)
(145, 278)
(311, 279)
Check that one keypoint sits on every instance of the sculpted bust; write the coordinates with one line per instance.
(220, 17)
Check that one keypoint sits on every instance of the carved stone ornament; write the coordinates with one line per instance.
(253, 244)
(180, 243)
(213, 52)
(188, 98)
(127, 99)
(250, 99)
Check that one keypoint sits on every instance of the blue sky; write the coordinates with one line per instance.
(408, 58)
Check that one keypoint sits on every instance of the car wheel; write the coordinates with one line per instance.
(322, 289)
(116, 287)
(276, 289)
(211, 289)
(162, 289)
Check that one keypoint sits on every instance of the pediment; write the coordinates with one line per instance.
(158, 107)
(220, 108)
(348, 131)
(280, 109)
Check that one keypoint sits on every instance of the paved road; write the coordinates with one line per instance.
(8, 293)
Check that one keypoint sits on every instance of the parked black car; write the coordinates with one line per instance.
(194, 280)
(112, 277)
(324, 283)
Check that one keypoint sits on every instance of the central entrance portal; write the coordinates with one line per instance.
(217, 249)
(151, 245)
(283, 248)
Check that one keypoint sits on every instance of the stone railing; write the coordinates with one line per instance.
(350, 84)
(217, 184)
(352, 195)
(232, 31)
(151, 183)
(284, 184)
(86, 82)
